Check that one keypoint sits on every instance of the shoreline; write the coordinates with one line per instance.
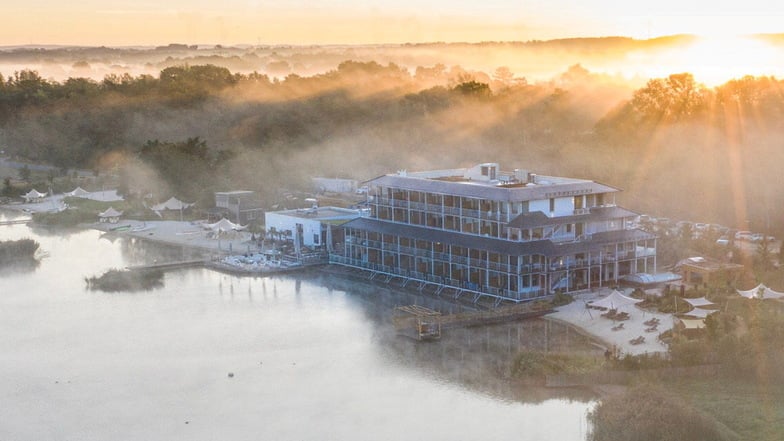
(192, 236)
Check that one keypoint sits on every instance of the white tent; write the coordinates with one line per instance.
(33, 195)
(699, 312)
(172, 204)
(702, 301)
(78, 192)
(225, 225)
(110, 215)
(614, 301)
(761, 292)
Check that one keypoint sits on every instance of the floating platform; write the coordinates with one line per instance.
(417, 322)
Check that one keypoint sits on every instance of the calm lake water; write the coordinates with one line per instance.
(313, 357)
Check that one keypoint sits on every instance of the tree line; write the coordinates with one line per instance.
(364, 118)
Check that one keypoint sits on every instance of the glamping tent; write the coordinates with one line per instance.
(761, 292)
(33, 196)
(172, 204)
(224, 225)
(111, 215)
(78, 192)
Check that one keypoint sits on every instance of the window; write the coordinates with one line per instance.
(316, 239)
(552, 204)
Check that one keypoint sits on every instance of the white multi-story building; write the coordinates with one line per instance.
(509, 235)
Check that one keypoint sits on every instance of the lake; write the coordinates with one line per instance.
(313, 357)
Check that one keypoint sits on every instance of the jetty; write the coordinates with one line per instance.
(16, 221)
(169, 265)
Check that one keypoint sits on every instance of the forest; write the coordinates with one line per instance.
(676, 147)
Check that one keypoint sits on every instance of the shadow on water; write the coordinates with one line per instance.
(477, 358)
(19, 267)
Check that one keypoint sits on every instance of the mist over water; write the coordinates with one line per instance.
(313, 357)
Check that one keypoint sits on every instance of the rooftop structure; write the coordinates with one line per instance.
(508, 235)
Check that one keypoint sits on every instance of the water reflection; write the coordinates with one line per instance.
(477, 358)
(314, 357)
(19, 267)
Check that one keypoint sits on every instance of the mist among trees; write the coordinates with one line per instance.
(678, 148)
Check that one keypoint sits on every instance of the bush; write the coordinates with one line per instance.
(560, 299)
(647, 413)
(66, 218)
(124, 280)
(17, 250)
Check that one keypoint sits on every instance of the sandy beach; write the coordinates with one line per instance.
(184, 233)
(601, 328)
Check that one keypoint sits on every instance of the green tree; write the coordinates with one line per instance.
(764, 255)
(24, 173)
(473, 89)
(8, 189)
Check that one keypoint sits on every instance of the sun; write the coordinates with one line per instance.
(714, 60)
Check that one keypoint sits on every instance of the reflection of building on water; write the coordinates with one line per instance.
(481, 358)
(478, 357)
(508, 236)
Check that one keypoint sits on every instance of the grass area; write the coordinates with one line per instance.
(752, 410)
(538, 364)
(650, 413)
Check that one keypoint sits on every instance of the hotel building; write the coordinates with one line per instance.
(508, 235)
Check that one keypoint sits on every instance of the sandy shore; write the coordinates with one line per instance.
(189, 234)
(601, 328)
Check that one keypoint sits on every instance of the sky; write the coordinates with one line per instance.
(145, 22)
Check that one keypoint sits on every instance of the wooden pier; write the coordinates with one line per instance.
(16, 222)
(169, 265)
(426, 324)
(417, 322)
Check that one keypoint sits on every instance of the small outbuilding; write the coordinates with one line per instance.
(704, 270)
(310, 227)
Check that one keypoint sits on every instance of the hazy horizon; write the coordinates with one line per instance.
(124, 23)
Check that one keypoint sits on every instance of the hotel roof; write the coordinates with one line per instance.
(321, 213)
(545, 187)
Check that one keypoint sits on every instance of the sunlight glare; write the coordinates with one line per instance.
(715, 60)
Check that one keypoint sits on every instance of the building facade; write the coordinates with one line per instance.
(240, 207)
(508, 235)
(310, 227)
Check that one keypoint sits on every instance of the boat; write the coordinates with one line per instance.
(120, 228)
